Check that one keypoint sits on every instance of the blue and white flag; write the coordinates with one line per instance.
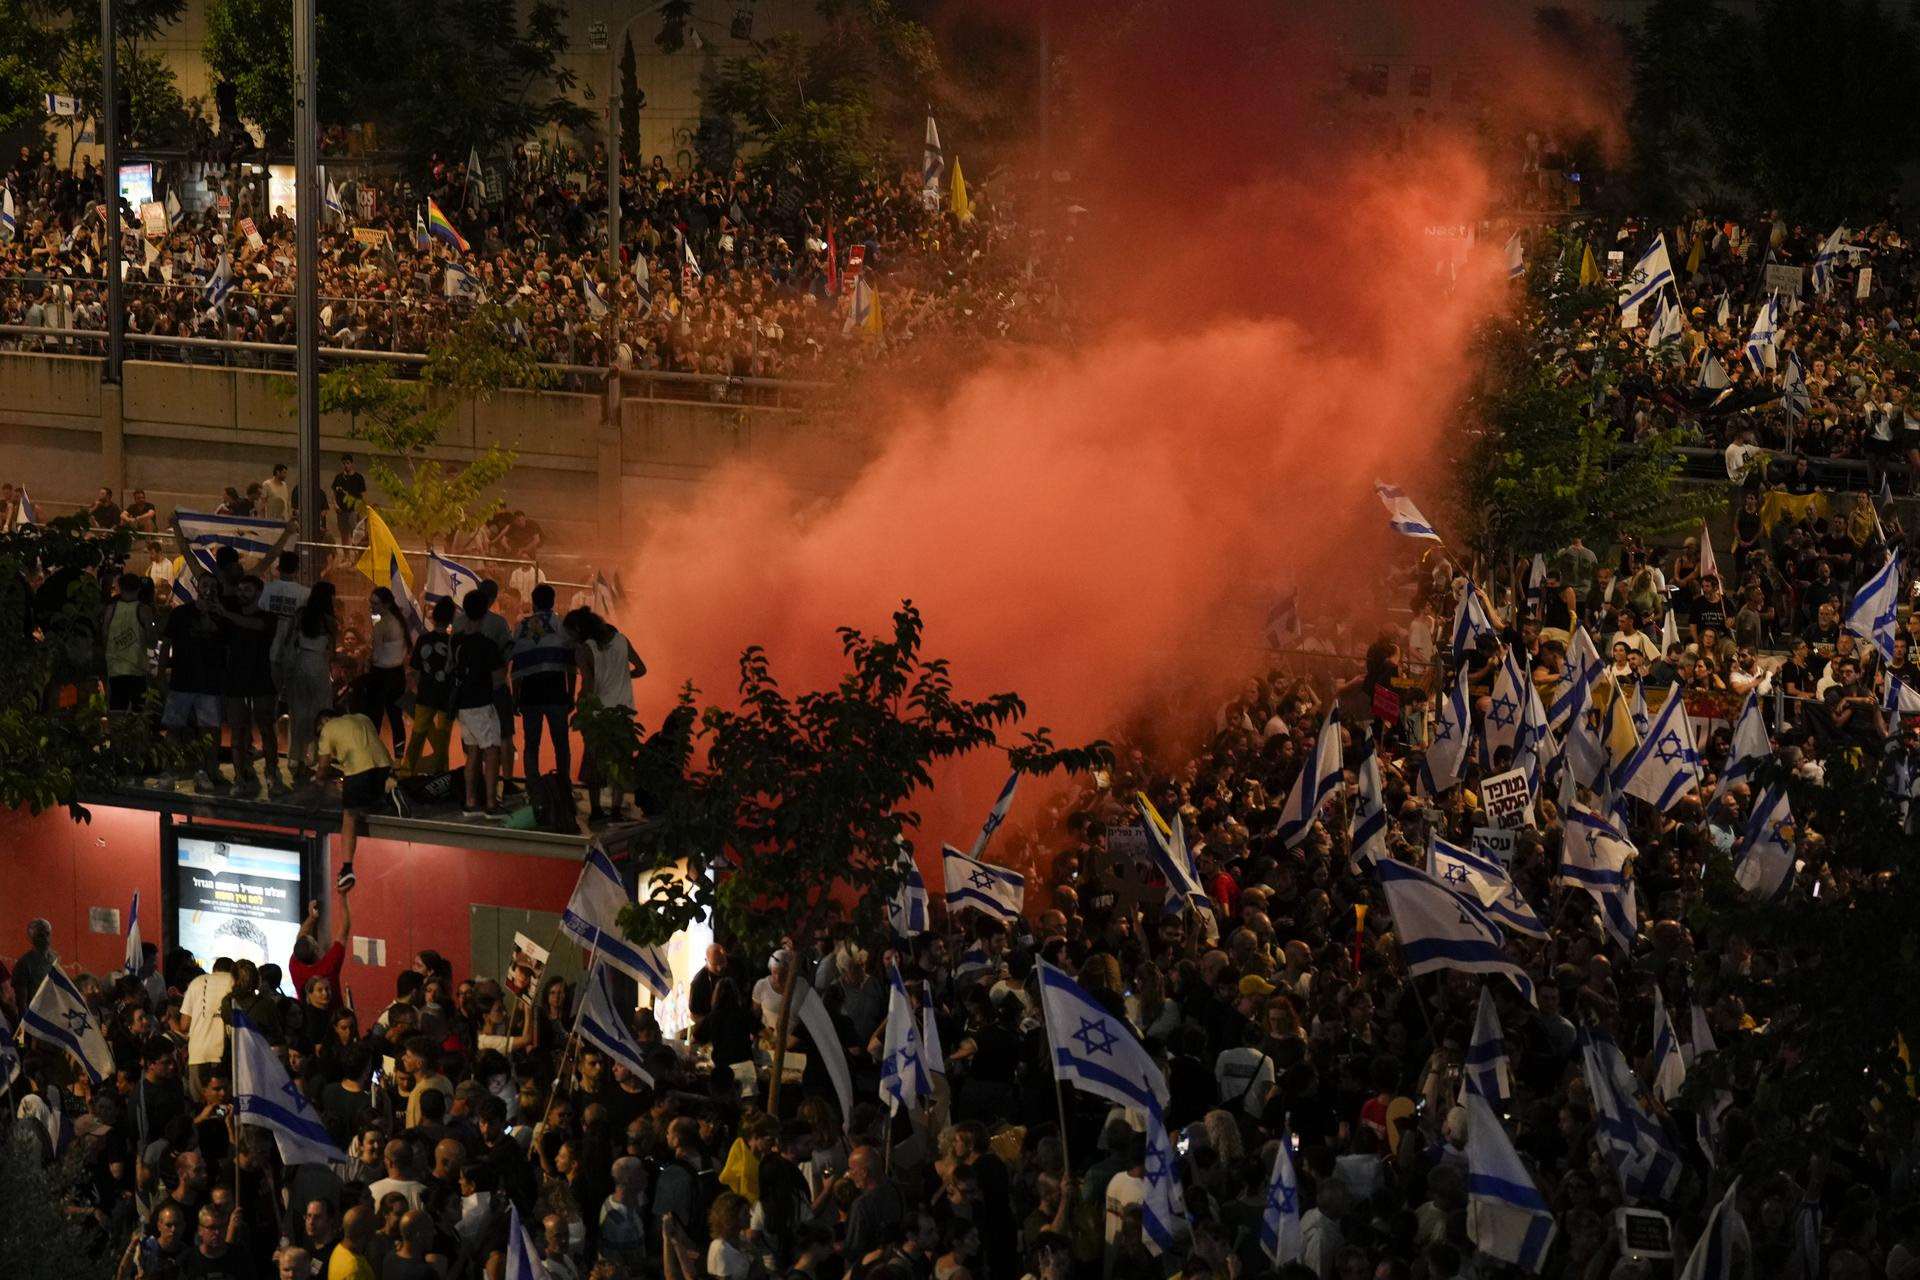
(1505, 707)
(136, 955)
(933, 166)
(903, 1061)
(811, 1013)
(1583, 748)
(1750, 745)
(1516, 256)
(1598, 857)
(1446, 755)
(1281, 1236)
(1633, 1143)
(993, 890)
(1583, 659)
(334, 206)
(1763, 860)
(590, 293)
(1485, 1070)
(462, 283)
(1761, 351)
(602, 1025)
(1637, 710)
(403, 600)
(58, 1015)
(1871, 615)
(1485, 881)
(1713, 374)
(1794, 396)
(1724, 1251)
(592, 917)
(219, 285)
(1163, 1213)
(907, 909)
(931, 1052)
(1666, 327)
(1094, 1050)
(1667, 765)
(523, 1256)
(1320, 776)
(249, 534)
(1901, 698)
(9, 220)
(1172, 859)
(1367, 829)
(9, 1056)
(174, 211)
(1506, 1216)
(1669, 1066)
(1440, 929)
(1706, 1119)
(1652, 273)
(1002, 804)
(448, 580)
(1470, 622)
(265, 1096)
(1402, 514)
(1532, 744)
(1823, 262)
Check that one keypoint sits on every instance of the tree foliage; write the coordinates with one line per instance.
(39, 1240)
(770, 813)
(60, 40)
(55, 749)
(403, 422)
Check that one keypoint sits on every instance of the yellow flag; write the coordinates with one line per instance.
(1146, 807)
(382, 557)
(962, 207)
(1589, 269)
(1693, 255)
(741, 1173)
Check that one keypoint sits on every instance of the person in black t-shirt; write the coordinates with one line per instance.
(251, 704)
(480, 669)
(349, 490)
(192, 656)
(105, 512)
(432, 665)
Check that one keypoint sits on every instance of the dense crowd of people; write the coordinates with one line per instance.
(718, 274)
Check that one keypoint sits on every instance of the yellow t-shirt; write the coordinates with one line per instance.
(354, 744)
(348, 1265)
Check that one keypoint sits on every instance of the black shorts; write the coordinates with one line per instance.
(366, 789)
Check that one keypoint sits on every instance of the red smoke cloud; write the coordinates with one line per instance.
(1270, 334)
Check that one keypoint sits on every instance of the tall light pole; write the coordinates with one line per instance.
(306, 301)
(110, 145)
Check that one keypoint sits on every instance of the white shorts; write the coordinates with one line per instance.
(479, 728)
(195, 710)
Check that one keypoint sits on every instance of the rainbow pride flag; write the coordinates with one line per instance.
(438, 225)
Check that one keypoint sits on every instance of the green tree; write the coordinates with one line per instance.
(403, 421)
(774, 814)
(65, 45)
(53, 754)
(38, 1239)
(23, 79)
(249, 45)
(831, 111)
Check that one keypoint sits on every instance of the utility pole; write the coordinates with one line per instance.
(306, 301)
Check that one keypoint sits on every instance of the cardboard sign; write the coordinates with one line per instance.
(252, 233)
(1784, 281)
(1128, 842)
(368, 201)
(1386, 703)
(153, 220)
(375, 236)
(1506, 799)
(1864, 285)
(1498, 842)
(223, 206)
(524, 970)
(856, 258)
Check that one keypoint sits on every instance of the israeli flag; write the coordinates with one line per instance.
(1793, 394)
(1597, 856)
(1439, 929)
(9, 220)
(1669, 1067)
(448, 580)
(135, 956)
(931, 1053)
(1666, 327)
(903, 1061)
(933, 165)
(602, 1025)
(1871, 615)
(219, 285)
(1367, 830)
(458, 282)
(907, 909)
(590, 292)
(334, 206)
(265, 1096)
(1485, 1071)
(1763, 860)
(1163, 1213)
(1901, 699)
(1168, 848)
(592, 917)
(523, 1257)
(1093, 1050)
(1637, 711)
(1666, 766)
(1470, 622)
(1516, 256)
(1634, 1145)
(1823, 262)
(1582, 750)
(1319, 778)
(403, 595)
(1760, 350)
(1504, 709)
(1402, 514)
(23, 512)
(9, 1056)
(1506, 1217)
(1485, 881)
(1583, 659)
(250, 534)
(1713, 374)
(996, 891)
(174, 211)
(1750, 745)
(1652, 273)
(1281, 1237)
(818, 1024)
(1723, 314)
(1001, 806)
(1452, 734)
(58, 1015)
(1724, 1250)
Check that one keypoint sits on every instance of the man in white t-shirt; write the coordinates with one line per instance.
(1126, 1190)
(206, 1029)
(770, 992)
(399, 1156)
